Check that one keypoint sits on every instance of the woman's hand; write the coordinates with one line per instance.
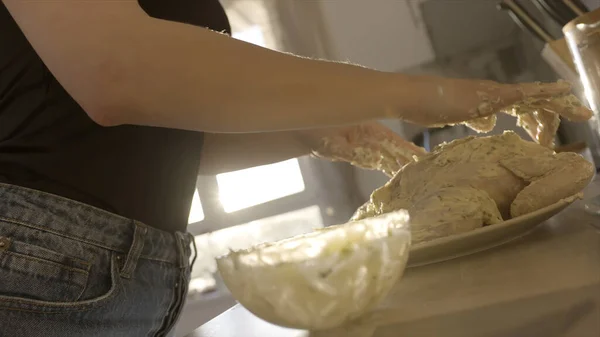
(436, 101)
(369, 145)
(542, 119)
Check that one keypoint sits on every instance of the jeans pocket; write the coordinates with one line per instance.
(31, 272)
(40, 273)
(57, 307)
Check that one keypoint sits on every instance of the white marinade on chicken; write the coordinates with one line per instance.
(477, 181)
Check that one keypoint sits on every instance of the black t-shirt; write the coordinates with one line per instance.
(48, 143)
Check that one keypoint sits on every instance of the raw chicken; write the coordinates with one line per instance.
(478, 181)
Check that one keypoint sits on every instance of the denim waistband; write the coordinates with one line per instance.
(72, 219)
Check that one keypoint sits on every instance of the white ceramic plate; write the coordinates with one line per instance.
(484, 238)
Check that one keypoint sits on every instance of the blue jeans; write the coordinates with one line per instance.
(68, 270)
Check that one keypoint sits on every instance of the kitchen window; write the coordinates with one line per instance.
(257, 185)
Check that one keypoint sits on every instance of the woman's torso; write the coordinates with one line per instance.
(47, 142)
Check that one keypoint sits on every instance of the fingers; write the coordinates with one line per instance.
(496, 97)
(528, 122)
(333, 148)
(397, 147)
(383, 138)
(358, 152)
(543, 90)
(541, 125)
(482, 124)
(370, 146)
(390, 163)
(548, 123)
(577, 114)
(514, 93)
(391, 151)
(540, 117)
(568, 107)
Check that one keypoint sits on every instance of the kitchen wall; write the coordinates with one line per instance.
(383, 34)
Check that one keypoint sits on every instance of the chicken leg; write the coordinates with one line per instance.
(551, 177)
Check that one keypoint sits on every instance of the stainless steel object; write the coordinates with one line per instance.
(583, 38)
(525, 21)
(577, 7)
(557, 10)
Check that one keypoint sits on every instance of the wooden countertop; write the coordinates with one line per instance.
(546, 283)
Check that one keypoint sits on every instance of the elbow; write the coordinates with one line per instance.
(104, 101)
(103, 116)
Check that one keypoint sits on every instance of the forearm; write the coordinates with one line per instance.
(218, 84)
(230, 152)
(368, 145)
(132, 69)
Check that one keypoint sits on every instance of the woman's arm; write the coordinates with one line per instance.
(124, 67)
(368, 145)
(226, 152)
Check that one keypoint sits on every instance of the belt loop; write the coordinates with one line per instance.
(193, 240)
(180, 249)
(183, 246)
(135, 250)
